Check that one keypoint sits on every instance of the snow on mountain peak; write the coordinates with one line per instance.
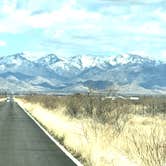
(49, 59)
(15, 56)
(128, 58)
(16, 59)
(51, 71)
(85, 61)
(82, 62)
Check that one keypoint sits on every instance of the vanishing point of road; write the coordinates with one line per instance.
(23, 143)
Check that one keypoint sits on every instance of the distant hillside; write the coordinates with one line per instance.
(130, 73)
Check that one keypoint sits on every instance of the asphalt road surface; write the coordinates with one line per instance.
(23, 143)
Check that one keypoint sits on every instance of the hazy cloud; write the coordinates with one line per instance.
(96, 26)
(2, 43)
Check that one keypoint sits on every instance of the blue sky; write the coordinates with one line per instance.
(75, 27)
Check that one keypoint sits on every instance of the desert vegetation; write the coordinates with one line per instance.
(100, 131)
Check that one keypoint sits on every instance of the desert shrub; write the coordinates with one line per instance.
(47, 101)
(102, 109)
(151, 149)
(74, 105)
(103, 120)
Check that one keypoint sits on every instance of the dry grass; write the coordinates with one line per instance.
(2, 99)
(144, 140)
(137, 141)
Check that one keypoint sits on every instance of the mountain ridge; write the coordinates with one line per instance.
(78, 73)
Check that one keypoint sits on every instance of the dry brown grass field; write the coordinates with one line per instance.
(104, 132)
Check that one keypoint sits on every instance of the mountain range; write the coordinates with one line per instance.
(128, 73)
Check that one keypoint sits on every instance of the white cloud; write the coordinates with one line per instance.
(58, 33)
(16, 21)
(153, 28)
(2, 43)
(8, 7)
(88, 25)
(161, 14)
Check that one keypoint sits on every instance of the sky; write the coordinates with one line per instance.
(78, 27)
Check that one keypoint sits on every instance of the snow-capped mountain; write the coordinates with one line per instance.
(129, 59)
(17, 63)
(12, 61)
(71, 66)
(84, 62)
(78, 73)
(61, 66)
(48, 60)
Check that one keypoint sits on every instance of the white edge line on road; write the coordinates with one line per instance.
(53, 139)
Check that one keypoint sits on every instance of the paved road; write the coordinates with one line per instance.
(23, 143)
